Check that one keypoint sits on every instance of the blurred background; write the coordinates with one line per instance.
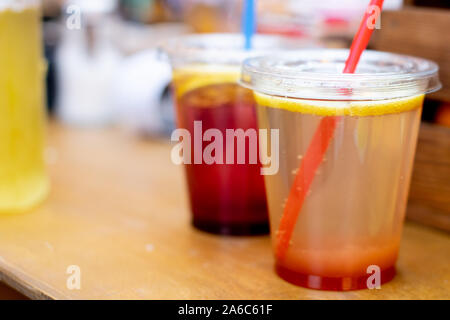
(104, 69)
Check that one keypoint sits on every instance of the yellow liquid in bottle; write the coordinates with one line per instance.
(23, 179)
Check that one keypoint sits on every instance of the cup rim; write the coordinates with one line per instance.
(317, 74)
(225, 48)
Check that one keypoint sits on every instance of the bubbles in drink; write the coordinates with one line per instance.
(333, 233)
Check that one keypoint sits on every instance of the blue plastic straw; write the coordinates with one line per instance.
(248, 22)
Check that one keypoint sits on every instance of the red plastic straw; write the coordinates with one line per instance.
(321, 140)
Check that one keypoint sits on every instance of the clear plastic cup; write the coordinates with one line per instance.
(228, 197)
(346, 145)
(23, 179)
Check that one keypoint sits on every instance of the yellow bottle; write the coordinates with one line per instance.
(23, 179)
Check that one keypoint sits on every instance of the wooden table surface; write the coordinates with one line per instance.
(118, 210)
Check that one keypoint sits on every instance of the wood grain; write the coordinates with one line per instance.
(118, 209)
(421, 32)
(429, 200)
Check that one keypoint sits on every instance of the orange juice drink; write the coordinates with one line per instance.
(347, 232)
(23, 180)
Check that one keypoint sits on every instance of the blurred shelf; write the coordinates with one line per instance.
(429, 196)
(118, 210)
(421, 32)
